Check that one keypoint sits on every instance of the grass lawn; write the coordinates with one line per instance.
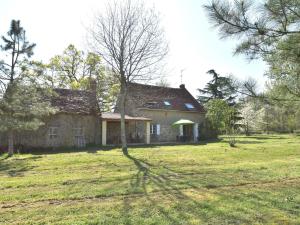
(258, 182)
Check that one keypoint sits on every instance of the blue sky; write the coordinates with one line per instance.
(194, 45)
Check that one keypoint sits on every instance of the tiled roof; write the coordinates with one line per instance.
(117, 117)
(154, 97)
(75, 101)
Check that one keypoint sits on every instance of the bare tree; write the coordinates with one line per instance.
(131, 41)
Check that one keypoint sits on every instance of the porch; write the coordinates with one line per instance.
(188, 130)
(137, 129)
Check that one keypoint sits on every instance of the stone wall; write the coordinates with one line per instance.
(166, 118)
(66, 125)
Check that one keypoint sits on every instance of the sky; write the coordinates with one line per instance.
(195, 46)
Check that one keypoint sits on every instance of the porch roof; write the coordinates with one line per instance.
(117, 117)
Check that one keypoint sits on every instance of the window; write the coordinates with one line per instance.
(167, 103)
(150, 104)
(189, 106)
(78, 132)
(155, 129)
(152, 128)
(53, 132)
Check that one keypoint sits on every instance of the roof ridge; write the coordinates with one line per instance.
(72, 90)
(152, 85)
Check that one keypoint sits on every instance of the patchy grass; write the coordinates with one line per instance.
(258, 182)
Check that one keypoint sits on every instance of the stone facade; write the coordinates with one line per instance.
(61, 130)
(149, 101)
(79, 121)
(165, 119)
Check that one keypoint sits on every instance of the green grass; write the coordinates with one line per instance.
(258, 182)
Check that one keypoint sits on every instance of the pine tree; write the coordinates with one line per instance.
(218, 88)
(23, 107)
(23, 103)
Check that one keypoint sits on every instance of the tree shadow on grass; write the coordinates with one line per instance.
(165, 185)
(264, 137)
(16, 167)
(249, 142)
(96, 148)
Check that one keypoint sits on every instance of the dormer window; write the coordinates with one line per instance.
(167, 103)
(189, 105)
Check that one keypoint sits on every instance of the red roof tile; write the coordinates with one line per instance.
(153, 97)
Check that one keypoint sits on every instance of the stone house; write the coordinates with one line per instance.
(151, 112)
(76, 122)
(158, 108)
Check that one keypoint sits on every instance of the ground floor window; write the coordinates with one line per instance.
(78, 132)
(53, 132)
(155, 129)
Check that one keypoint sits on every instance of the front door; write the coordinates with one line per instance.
(188, 132)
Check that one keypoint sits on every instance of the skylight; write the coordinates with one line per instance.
(189, 105)
(167, 103)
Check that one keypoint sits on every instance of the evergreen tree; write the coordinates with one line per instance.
(23, 107)
(23, 103)
(18, 49)
(271, 33)
(218, 88)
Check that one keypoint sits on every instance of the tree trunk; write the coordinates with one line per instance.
(122, 112)
(247, 129)
(10, 143)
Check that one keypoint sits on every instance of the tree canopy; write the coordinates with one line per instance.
(19, 50)
(269, 30)
(219, 87)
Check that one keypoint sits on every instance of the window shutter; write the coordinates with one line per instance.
(158, 129)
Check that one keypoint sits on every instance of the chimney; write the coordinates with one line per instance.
(182, 86)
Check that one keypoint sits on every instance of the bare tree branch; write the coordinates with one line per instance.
(129, 38)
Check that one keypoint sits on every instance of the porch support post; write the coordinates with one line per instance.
(147, 133)
(195, 132)
(104, 131)
(180, 130)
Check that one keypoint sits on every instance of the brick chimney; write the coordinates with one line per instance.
(182, 86)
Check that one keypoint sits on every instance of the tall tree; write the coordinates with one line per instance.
(68, 69)
(22, 103)
(268, 29)
(18, 49)
(130, 39)
(76, 69)
(218, 88)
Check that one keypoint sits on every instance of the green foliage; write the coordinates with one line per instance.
(18, 50)
(68, 68)
(223, 118)
(76, 70)
(24, 107)
(23, 103)
(218, 88)
(271, 33)
(219, 114)
(284, 66)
